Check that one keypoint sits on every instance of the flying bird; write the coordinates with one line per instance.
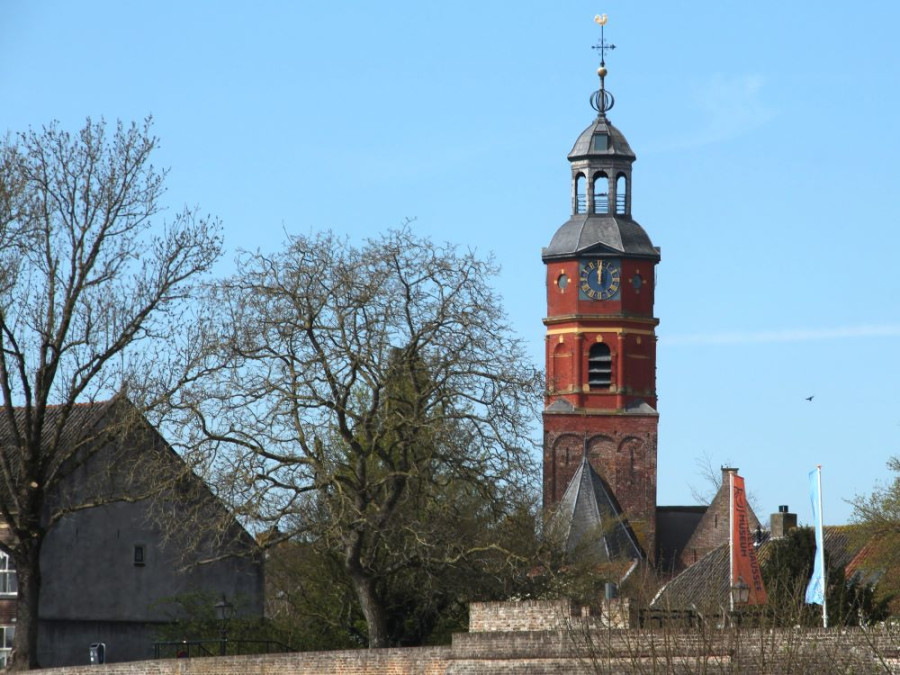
(810, 398)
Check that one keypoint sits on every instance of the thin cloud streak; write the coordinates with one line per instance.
(727, 107)
(790, 335)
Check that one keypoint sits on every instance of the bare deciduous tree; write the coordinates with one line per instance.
(877, 517)
(370, 399)
(86, 282)
(711, 477)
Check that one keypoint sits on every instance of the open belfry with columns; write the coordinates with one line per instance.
(600, 418)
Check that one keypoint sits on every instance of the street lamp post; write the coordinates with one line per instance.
(224, 612)
(740, 594)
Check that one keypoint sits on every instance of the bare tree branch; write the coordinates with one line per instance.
(89, 294)
(362, 396)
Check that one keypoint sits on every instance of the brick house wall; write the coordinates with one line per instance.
(621, 448)
(712, 530)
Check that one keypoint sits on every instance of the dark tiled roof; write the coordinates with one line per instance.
(560, 405)
(640, 407)
(83, 424)
(704, 586)
(108, 453)
(841, 549)
(82, 418)
(590, 234)
(861, 568)
(588, 519)
(674, 527)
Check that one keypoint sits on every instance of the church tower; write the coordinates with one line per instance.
(601, 341)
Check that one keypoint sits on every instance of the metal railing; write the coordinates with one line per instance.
(580, 203)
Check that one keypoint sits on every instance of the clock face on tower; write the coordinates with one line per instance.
(599, 279)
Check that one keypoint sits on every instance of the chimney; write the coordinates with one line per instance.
(782, 522)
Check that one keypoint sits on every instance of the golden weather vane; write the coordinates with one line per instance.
(602, 100)
(603, 45)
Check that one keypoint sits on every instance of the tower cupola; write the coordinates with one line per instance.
(601, 162)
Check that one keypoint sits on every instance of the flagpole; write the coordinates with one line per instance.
(821, 552)
(731, 540)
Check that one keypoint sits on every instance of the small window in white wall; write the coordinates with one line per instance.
(9, 582)
(7, 634)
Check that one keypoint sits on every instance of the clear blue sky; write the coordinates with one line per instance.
(767, 137)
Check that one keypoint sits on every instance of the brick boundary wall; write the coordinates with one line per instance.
(531, 637)
(408, 661)
(526, 615)
(543, 615)
(565, 651)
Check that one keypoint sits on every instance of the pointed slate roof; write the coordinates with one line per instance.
(588, 518)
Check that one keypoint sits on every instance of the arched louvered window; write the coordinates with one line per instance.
(599, 366)
(601, 193)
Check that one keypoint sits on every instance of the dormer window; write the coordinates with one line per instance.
(601, 143)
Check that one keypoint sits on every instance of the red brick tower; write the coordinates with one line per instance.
(601, 341)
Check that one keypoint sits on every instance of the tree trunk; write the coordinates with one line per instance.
(372, 609)
(28, 571)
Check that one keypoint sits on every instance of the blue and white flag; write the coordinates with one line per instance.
(815, 591)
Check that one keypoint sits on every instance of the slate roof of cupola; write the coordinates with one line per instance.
(588, 519)
(585, 234)
(617, 146)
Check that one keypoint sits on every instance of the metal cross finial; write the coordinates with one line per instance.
(602, 45)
